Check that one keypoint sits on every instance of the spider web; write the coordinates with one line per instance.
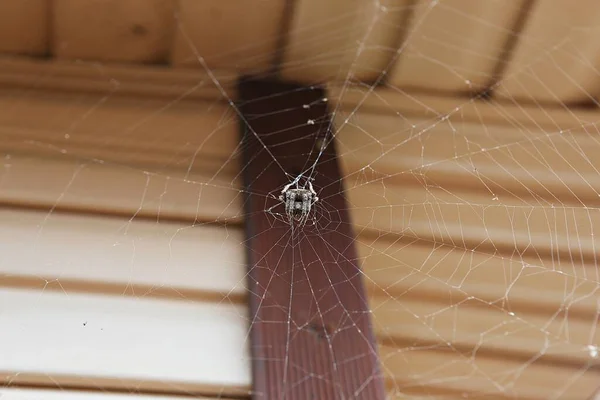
(468, 143)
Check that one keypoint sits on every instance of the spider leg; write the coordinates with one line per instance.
(272, 207)
(286, 187)
(281, 201)
(312, 190)
(280, 198)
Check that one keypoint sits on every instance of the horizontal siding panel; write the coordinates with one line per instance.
(195, 346)
(147, 258)
(458, 219)
(530, 163)
(83, 300)
(407, 268)
(99, 187)
(118, 80)
(477, 222)
(475, 325)
(388, 101)
(430, 213)
(136, 257)
(124, 130)
(62, 394)
(443, 368)
(171, 89)
(464, 323)
(498, 160)
(181, 85)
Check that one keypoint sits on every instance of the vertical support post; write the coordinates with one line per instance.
(311, 336)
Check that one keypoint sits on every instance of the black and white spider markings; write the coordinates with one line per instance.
(298, 201)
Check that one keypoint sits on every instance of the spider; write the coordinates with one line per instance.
(298, 201)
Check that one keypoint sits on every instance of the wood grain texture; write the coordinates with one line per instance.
(311, 335)
(115, 30)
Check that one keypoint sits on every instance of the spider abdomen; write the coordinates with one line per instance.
(298, 201)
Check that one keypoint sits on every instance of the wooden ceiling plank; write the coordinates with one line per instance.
(240, 35)
(128, 31)
(454, 45)
(343, 40)
(555, 60)
(25, 27)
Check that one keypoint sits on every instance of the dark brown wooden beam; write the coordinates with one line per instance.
(311, 336)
